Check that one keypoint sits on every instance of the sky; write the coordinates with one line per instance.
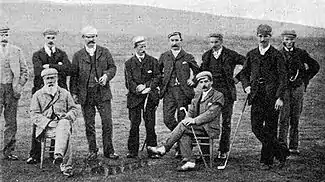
(306, 12)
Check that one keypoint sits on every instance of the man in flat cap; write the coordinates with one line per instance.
(142, 79)
(300, 68)
(203, 115)
(176, 88)
(50, 56)
(14, 75)
(264, 78)
(221, 62)
(53, 111)
(93, 68)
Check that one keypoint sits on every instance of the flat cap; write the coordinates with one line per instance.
(174, 33)
(49, 71)
(289, 33)
(50, 32)
(203, 74)
(4, 29)
(216, 35)
(89, 30)
(264, 29)
(138, 39)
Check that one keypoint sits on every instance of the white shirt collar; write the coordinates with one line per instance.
(288, 49)
(217, 53)
(48, 51)
(176, 52)
(91, 51)
(204, 94)
(140, 58)
(263, 50)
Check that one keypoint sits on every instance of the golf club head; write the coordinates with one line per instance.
(221, 167)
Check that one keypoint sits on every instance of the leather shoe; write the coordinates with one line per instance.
(11, 157)
(188, 166)
(58, 159)
(131, 156)
(157, 150)
(31, 160)
(112, 156)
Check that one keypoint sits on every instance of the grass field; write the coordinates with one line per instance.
(244, 159)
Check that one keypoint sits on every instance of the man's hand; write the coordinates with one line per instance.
(190, 82)
(278, 104)
(146, 90)
(140, 88)
(188, 121)
(248, 89)
(75, 98)
(103, 80)
(46, 66)
(17, 90)
(236, 80)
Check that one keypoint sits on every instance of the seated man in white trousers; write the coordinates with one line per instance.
(203, 116)
(53, 111)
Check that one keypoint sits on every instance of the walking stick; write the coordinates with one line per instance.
(234, 136)
(196, 140)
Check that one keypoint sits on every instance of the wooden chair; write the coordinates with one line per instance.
(206, 141)
(44, 147)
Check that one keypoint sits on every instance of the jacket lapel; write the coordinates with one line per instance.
(210, 93)
(180, 54)
(84, 56)
(98, 52)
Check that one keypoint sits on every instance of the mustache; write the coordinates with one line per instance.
(51, 43)
(175, 45)
(91, 42)
(204, 87)
(4, 41)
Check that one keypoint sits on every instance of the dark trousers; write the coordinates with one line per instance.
(264, 121)
(149, 117)
(290, 115)
(226, 113)
(92, 102)
(8, 103)
(174, 99)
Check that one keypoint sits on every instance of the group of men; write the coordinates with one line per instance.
(275, 81)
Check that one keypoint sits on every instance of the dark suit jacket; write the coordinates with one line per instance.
(229, 60)
(273, 70)
(207, 112)
(145, 72)
(81, 70)
(41, 58)
(295, 61)
(182, 64)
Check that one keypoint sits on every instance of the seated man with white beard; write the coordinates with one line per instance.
(53, 111)
(203, 115)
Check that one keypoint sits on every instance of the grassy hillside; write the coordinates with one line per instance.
(131, 19)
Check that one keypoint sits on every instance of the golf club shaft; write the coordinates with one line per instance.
(234, 136)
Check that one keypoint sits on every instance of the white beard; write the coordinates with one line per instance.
(51, 90)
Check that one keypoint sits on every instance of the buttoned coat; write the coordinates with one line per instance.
(229, 60)
(272, 65)
(59, 61)
(296, 62)
(81, 65)
(183, 63)
(43, 106)
(206, 112)
(145, 72)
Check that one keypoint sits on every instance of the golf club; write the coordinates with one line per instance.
(234, 136)
(196, 140)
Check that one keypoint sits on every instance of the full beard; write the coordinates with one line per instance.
(51, 89)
